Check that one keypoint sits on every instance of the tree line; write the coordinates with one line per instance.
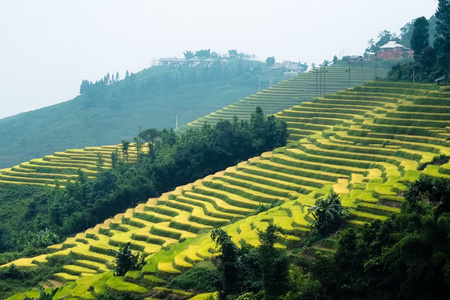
(112, 92)
(172, 160)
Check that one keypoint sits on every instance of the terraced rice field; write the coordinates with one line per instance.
(295, 91)
(366, 144)
(61, 167)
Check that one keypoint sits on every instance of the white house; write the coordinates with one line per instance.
(208, 62)
(392, 50)
(194, 62)
(168, 61)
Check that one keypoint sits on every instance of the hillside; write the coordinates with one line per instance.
(366, 144)
(281, 96)
(305, 87)
(109, 113)
(63, 167)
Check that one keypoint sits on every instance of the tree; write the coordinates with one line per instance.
(149, 135)
(84, 87)
(114, 159)
(328, 214)
(100, 162)
(335, 59)
(246, 270)
(138, 143)
(43, 238)
(125, 146)
(405, 34)
(228, 263)
(428, 58)
(420, 36)
(125, 260)
(233, 53)
(206, 53)
(436, 191)
(270, 61)
(442, 39)
(274, 263)
(383, 38)
(188, 54)
(303, 65)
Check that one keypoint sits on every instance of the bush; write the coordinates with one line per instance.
(203, 277)
(328, 214)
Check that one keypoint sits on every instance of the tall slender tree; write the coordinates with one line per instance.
(442, 41)
(420, 36)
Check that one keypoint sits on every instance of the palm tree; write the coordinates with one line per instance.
(126, 260)
(328, 214)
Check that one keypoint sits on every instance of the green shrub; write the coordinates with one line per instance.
(203, 277)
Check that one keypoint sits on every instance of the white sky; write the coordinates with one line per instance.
(48, 47)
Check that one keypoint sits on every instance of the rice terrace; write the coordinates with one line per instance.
(331, 183)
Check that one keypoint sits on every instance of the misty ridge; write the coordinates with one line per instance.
(110, 109)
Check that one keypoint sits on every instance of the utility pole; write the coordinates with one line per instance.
(320, 82)
(348, 73)
(316, 81)
(362, 72)
(376, 64)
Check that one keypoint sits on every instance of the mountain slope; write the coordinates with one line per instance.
(108, 113)
(303, 87)
(380, 138)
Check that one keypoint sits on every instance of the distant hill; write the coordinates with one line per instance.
(109, 111)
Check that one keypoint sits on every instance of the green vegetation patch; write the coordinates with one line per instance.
(200, 278)
(117, 283)
(84, 284)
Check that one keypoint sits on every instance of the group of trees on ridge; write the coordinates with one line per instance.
(430, 61)
(111, 92)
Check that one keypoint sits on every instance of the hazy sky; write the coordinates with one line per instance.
(48, 47)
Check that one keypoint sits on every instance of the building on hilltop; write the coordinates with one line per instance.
(194, 62)
(172, 61)
(288, 68)
(293, 69)
(208, 62)
(276, 68)
(355, 59)
(392, 50)
(168, 61)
